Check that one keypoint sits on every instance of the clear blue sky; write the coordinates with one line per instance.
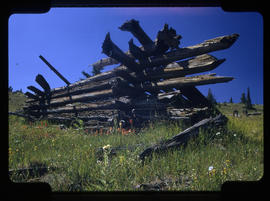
(71, 38)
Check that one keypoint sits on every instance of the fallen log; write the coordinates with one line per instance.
(183, 137)
(219, 43)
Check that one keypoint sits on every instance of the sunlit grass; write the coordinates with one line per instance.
(232, 154)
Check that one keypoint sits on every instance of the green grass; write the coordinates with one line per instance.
(235, 153)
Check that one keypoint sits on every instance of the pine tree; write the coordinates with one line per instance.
(243, 98)
(231, 101)
(248, 101)
(211, 97)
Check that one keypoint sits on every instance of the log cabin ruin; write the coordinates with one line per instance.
(152, 82)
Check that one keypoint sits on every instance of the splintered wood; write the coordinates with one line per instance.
(148, 84)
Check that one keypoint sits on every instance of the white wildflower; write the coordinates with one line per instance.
(210, 168)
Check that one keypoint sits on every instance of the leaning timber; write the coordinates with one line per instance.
(154, 81)
(183, 137)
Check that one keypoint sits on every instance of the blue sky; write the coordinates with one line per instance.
(71, 38)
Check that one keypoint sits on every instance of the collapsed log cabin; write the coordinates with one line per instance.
(150, 83)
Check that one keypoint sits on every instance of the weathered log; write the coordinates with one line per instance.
(166, 38)
(183, 137)
(105, 62)
(113, 51)
(90, 87)
(185, 82)
(185, 112)
(36, 90)
(197, 64)
(195, 96)
(138, 54)
(133, 27)
(219, 43)
(54, 70)
(43, 83)
(32, 96)
(96, 95)
(207, 46)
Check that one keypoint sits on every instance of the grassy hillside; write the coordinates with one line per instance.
(16, 101)
(72, 162)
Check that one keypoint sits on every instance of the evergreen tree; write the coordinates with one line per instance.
(231, 101)
(248, 101)
(211, 97)
(10, 88)
(243, 98)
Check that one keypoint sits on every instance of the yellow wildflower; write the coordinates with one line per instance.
(121, 159)
(106, 147)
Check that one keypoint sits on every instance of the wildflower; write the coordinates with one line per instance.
(121, 159)
(234, 134)
(227, 162)
(224, 171)
(106, 147)
(17, 150)
(211, 171)
(218, 133)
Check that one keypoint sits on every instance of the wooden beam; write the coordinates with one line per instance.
(43, 83)
(54, 70)
(184, 82)
(219, 43)
(113, 51)
(133, 27)
(36, 90)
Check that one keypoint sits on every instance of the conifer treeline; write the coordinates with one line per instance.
(244, 99)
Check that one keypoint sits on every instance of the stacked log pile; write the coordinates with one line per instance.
(150, 83)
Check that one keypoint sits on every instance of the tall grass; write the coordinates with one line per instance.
(234, 153)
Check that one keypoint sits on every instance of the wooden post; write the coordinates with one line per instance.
(54, 70)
